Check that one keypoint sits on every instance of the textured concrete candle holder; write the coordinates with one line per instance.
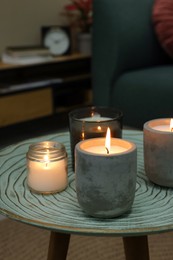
(158, 152)
(105, 183)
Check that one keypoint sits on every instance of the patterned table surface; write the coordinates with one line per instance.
(151, 212)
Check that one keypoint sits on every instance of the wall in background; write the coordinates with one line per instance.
(21, 20)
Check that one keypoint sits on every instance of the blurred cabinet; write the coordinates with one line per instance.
(37, 90)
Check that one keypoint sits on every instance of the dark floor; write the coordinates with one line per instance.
(19, 132)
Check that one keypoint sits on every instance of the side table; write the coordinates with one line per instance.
(152, 211)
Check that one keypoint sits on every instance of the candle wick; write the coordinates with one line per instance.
(107, 150)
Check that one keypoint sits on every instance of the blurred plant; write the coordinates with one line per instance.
(79, 13)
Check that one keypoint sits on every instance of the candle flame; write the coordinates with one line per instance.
(171, 125)
(108, 140)
(99, 128)
(83, 136)
(46, 159)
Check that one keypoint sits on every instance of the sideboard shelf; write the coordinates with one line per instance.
(33, 91)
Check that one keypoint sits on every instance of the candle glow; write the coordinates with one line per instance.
(106, 148)
(171, 125)
(46, 159)
(164, 125)
(108, 140)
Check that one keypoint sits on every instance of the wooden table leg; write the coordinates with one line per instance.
(136, 248)
(58, 246)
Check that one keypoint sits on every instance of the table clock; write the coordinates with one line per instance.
(56, 39)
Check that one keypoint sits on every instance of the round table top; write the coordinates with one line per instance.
(152, 210)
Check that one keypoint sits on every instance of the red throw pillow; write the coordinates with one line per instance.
(162, 16)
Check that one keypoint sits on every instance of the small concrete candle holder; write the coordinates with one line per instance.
(105, 183)
(47, 167)
(91, 122)
(158, 151)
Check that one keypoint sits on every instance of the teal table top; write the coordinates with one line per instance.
(151, 212)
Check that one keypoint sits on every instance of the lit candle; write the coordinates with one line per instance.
(165, 125)
(101, 149)
(92, 122)
(47, 167)
(95, 126)
(158, 151)
(96, 117)
(105, 175)
(94, 130)
(107, 148)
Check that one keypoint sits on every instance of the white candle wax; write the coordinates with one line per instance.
(95, 119)
(47, 176)
(102, 150)
(164, 128)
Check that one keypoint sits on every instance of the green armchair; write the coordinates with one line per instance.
(130, 69)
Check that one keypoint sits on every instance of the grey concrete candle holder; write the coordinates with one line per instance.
(158, 152)
(105, 183)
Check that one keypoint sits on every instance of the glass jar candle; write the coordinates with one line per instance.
(92, 122)
(47, 167)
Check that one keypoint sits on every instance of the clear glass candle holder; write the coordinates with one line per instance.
(47, 167)
(91, 122)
